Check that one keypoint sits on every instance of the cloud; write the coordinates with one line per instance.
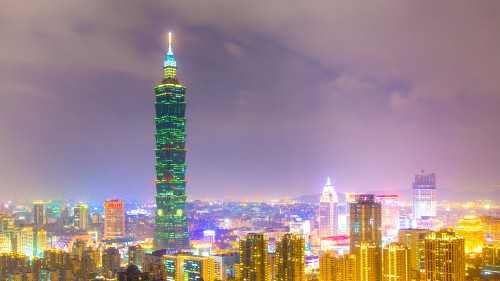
(279, 93)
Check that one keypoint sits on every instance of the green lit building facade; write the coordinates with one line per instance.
(171, 230)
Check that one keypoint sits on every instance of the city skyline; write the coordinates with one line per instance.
(367, 96)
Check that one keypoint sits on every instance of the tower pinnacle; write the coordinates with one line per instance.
(170, 44)
(169, 64)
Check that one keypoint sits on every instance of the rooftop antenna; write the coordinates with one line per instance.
(170, 43)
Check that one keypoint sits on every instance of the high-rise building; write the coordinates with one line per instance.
(365, 221)
(471, 229)
(81, 217)
(136, 255)
(491, 255)
(39, 242)
(114, 219)
(12, 263)
(56, 259)
(349, 198)
(424, 196)
(39, 235)
(225, 265)
(491, 225)
(396, 263)
(5, 243)
(328, 211)
(290, 258)
(253, 258)
(368, 261)
(328, 266)
(302, 228)
(171, 229)
(26, 241)
(110, 262)
(390, 214)
(189, 267)
(38, 215)
(444, 253)
(414, 240)
(334, 268)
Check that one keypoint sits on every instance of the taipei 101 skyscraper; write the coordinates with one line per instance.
(171, 230)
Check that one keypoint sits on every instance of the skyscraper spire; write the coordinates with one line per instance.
(170, 65)
(170, 44)
(328, 211)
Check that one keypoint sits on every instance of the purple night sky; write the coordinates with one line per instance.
(280, 95)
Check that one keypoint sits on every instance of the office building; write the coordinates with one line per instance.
(368, 261)
(471, 229)
(444, 253)
(188, 267)
(114, 219)
(136, 255)
(414, 240)
(81, 217)
(365, 221)
(225, 265)
(390, 214)
(290, 258)
(171, 230)
(424, 196)
(26, 241)
(396, 263)
(110, 262)
(38, 215)
(253, 258)
(328, 211)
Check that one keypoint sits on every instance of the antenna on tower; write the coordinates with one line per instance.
(170, 43)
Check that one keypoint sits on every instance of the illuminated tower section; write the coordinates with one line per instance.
(328, 211)
(424, 196)
(171, 231)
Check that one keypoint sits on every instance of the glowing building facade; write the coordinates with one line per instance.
(390, 214)
(171, 229)
(414, 240)
(365, 221)
(471, 229)
(444, 253)
(81, 217)
(368, 262)
(424, 196)
(334, 268)
(38, 215)
(114, 219)
(181, 267)
(290, 258)
(253, 258)
(328, 211)
(396, 263)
